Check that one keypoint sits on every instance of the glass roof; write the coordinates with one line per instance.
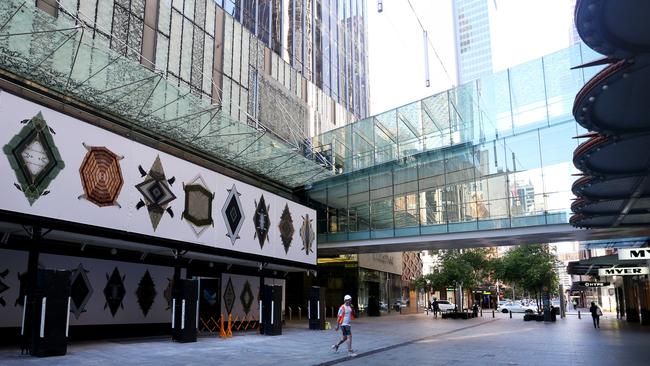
(61, 56)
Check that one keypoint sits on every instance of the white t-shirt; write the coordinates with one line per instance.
(346, 311)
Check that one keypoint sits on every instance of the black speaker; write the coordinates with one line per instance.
(185, 305)
(316, 309)
(45, 322)
(272, 310)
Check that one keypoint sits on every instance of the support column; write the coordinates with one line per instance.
(30, 307)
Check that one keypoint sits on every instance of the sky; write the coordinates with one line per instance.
(521, 30)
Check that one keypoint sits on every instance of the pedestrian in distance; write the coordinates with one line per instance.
(596, 313)
(345, 315)
(436, 307)
(475, 310)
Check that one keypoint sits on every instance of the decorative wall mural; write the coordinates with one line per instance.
(229, 296)
(34, 157)
(198, 205)
(286, 228)
(101, 176)
(80, 290)
(232, 214)
(261, 221)
(246, 297)
(114, 291)
(3, 286)
(210, 297)
(307, 234)
(156, 192)
(146, 292)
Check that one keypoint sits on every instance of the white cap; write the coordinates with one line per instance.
(347, 297)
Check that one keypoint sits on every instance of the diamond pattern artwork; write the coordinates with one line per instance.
(229, 296)
(156, 191)
(286, 228)
(198, 205)
(101, 176)
(3, 286)
(146, 292)
(114, 291)
(261, 221)
(307, 234)
(246, 297)
(34, 157)
(80, 290)
(233, 214)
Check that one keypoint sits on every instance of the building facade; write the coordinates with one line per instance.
(153, 141)
(303, 62)
(473, 41)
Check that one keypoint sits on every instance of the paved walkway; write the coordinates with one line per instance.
(390, 340)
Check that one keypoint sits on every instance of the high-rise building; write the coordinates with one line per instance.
(473, 47)
(302, 62)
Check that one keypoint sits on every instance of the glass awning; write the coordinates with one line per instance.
(63, 57)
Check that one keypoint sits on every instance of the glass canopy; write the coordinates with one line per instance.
(61, 56)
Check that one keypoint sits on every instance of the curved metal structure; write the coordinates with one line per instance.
(616, 189)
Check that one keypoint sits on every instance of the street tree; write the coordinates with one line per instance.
(531, 268)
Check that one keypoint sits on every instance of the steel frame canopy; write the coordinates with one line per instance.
(61, 57)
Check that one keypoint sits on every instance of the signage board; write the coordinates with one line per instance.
(634, 253)
(623, 271)
(592, 284)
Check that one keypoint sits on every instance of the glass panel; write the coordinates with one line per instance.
(527, 92)
(525, 183)
(358, 201)
(495, 104)
(562, 85)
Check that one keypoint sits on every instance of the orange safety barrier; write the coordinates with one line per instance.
(222, 330)
(229, 331)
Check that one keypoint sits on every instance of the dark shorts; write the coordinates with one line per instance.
(346, 330)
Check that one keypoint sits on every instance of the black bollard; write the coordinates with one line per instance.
(493, 313)
(510, 314)
(579, 315)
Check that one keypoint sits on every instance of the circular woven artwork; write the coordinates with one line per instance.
(101, 176)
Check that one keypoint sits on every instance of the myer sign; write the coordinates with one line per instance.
(634, 253)
(623, 271)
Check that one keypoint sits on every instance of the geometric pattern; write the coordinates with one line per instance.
(146, 292)
(3, 286)
(261, 221)
(246, 297)
(34, 157)
(80, 290)
(233, 214)
(198, 205)
(286, 228)
(101, 176)
(114, 291)
(229, 297)
(155, 190)
(307, 234)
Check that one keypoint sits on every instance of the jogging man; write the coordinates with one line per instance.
(346, 313)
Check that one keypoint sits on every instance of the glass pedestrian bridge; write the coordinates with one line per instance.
(495, 153)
